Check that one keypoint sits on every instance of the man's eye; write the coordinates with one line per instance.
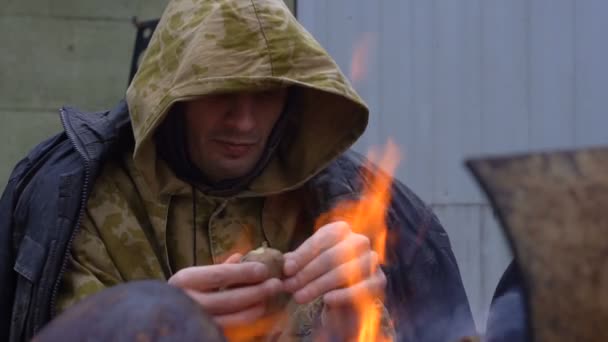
(268, 94)
(217, 99)
(223, 97)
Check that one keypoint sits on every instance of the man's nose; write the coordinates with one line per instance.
(241, 116)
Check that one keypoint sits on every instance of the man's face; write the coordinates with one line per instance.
(227, 133)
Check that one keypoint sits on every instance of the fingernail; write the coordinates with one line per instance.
(290, 267)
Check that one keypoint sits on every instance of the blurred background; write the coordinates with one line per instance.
(445, 79)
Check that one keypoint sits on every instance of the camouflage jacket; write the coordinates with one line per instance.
(201, 48)
(46, 194)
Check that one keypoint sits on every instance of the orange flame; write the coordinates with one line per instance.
(367, 216)
(269, 325)
(361, 56)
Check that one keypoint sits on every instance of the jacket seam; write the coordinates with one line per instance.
(255, 10)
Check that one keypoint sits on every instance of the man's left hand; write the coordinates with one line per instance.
(335, 263)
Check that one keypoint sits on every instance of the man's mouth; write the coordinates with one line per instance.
(235, 149)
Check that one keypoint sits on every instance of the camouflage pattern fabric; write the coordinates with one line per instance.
(139, 222)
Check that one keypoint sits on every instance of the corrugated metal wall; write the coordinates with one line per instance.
(449, 79)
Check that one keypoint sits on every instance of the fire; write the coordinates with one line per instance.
(361, 56)
(367, 216)
(268, 326)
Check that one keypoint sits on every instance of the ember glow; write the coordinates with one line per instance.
(367, 216)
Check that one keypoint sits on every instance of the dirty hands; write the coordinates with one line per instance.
(232, 293)
(335, 263)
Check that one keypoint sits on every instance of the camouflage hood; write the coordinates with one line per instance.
(212, 46)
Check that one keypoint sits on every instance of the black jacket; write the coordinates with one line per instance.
(508, 319)
(46, 194)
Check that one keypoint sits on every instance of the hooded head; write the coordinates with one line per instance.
(211, 61)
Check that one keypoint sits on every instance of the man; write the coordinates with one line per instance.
(234, 134)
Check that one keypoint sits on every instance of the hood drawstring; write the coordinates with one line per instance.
(194, 226)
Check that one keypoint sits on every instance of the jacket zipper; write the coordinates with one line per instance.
(83, 199)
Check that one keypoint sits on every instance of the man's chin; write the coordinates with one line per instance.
(233, 170)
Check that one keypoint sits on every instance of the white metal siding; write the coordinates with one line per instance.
(450, 79)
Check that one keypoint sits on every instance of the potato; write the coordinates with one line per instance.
(272, 258)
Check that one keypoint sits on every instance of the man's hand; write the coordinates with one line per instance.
(232, 293)
(334, 263)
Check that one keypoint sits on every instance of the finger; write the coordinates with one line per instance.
(205, 278)
(323, 239)
(345, 275)
(350, 248)
(234, 258)
(371, 287)
(237, 299)
(341, 320)
(242, 317)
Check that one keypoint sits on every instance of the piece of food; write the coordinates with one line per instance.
(272, 258)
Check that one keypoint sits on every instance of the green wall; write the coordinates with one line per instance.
(61, 52)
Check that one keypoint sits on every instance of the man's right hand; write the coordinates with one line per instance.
(232, 293)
